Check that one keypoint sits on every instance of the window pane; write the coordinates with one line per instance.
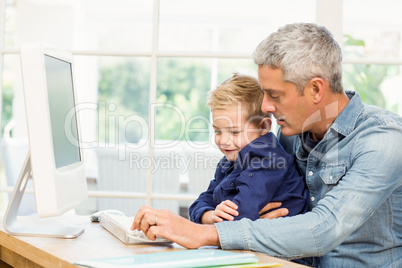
(123, 99)
(226, 26)
(227, 67)
(11, 81)
(90, 24)
(378, 85)
(117, 25)
(181, 111)
(10, 24)
(374, 27)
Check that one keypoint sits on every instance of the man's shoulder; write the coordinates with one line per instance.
(359, 119)
(379, 116)
(379, 124)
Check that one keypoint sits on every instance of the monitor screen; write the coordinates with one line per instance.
(61, 102)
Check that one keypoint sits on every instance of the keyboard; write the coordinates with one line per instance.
(119, 226)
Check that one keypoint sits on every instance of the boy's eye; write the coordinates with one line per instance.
(235, 132)
(217, 131)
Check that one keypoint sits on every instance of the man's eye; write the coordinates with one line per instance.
(274, 97)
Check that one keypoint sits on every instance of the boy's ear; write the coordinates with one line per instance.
(265, 125)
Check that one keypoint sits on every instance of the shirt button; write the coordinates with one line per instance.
(312, 198)
(330, 178)
(310, 173)
(232, 184)
(250, 175)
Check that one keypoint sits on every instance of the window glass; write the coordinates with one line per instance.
(123, 99)
(183, 85)
(10, 23)
(225, 26)
(9, 79)
(372, 28)
(227, 67)
(180, 107)
(118, 25)
(377, 84)
(90, 24)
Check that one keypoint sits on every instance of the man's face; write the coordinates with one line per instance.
(283, 100)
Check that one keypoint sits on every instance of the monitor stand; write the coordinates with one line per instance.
(39, 227)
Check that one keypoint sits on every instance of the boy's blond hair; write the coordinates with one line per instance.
(239, 90)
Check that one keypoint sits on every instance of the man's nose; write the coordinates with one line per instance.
(267, 105)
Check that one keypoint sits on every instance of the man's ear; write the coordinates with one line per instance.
(316, 89)
(265, 125)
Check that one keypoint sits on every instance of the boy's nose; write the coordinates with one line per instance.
(225, 139)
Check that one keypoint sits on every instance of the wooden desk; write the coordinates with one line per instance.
(95, 242)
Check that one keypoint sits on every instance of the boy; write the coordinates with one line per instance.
(255, 169)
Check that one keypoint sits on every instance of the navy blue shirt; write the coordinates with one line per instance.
(263, 173)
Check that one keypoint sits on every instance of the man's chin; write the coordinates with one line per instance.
(286, 131)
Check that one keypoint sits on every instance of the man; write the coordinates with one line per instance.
(350, 154)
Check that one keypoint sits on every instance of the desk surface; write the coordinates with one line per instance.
(95, 242)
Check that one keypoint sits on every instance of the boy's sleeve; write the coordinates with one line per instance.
(205, 201)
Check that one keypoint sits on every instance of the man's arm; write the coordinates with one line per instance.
(164, 223)
(352, 201)
(341, 212)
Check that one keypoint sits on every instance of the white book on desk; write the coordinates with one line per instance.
(181, 258)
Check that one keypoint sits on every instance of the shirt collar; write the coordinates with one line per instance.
(345, 122)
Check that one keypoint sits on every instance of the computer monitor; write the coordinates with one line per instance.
(55, 158)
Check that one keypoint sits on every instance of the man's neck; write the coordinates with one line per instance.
(330, 109)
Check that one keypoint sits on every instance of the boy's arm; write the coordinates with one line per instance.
(203, 204)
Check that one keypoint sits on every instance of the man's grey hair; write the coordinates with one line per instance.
(303, 51)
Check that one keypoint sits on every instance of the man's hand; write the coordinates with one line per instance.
(166, 224)
(277, 213)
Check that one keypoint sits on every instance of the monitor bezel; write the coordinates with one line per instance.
(49, 182)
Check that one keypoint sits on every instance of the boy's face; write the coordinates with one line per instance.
(232, 131)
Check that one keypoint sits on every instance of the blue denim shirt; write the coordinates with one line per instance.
(355, 180)
(263, 173)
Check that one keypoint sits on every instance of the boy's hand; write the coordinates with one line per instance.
(224, 211)
(277, 213)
